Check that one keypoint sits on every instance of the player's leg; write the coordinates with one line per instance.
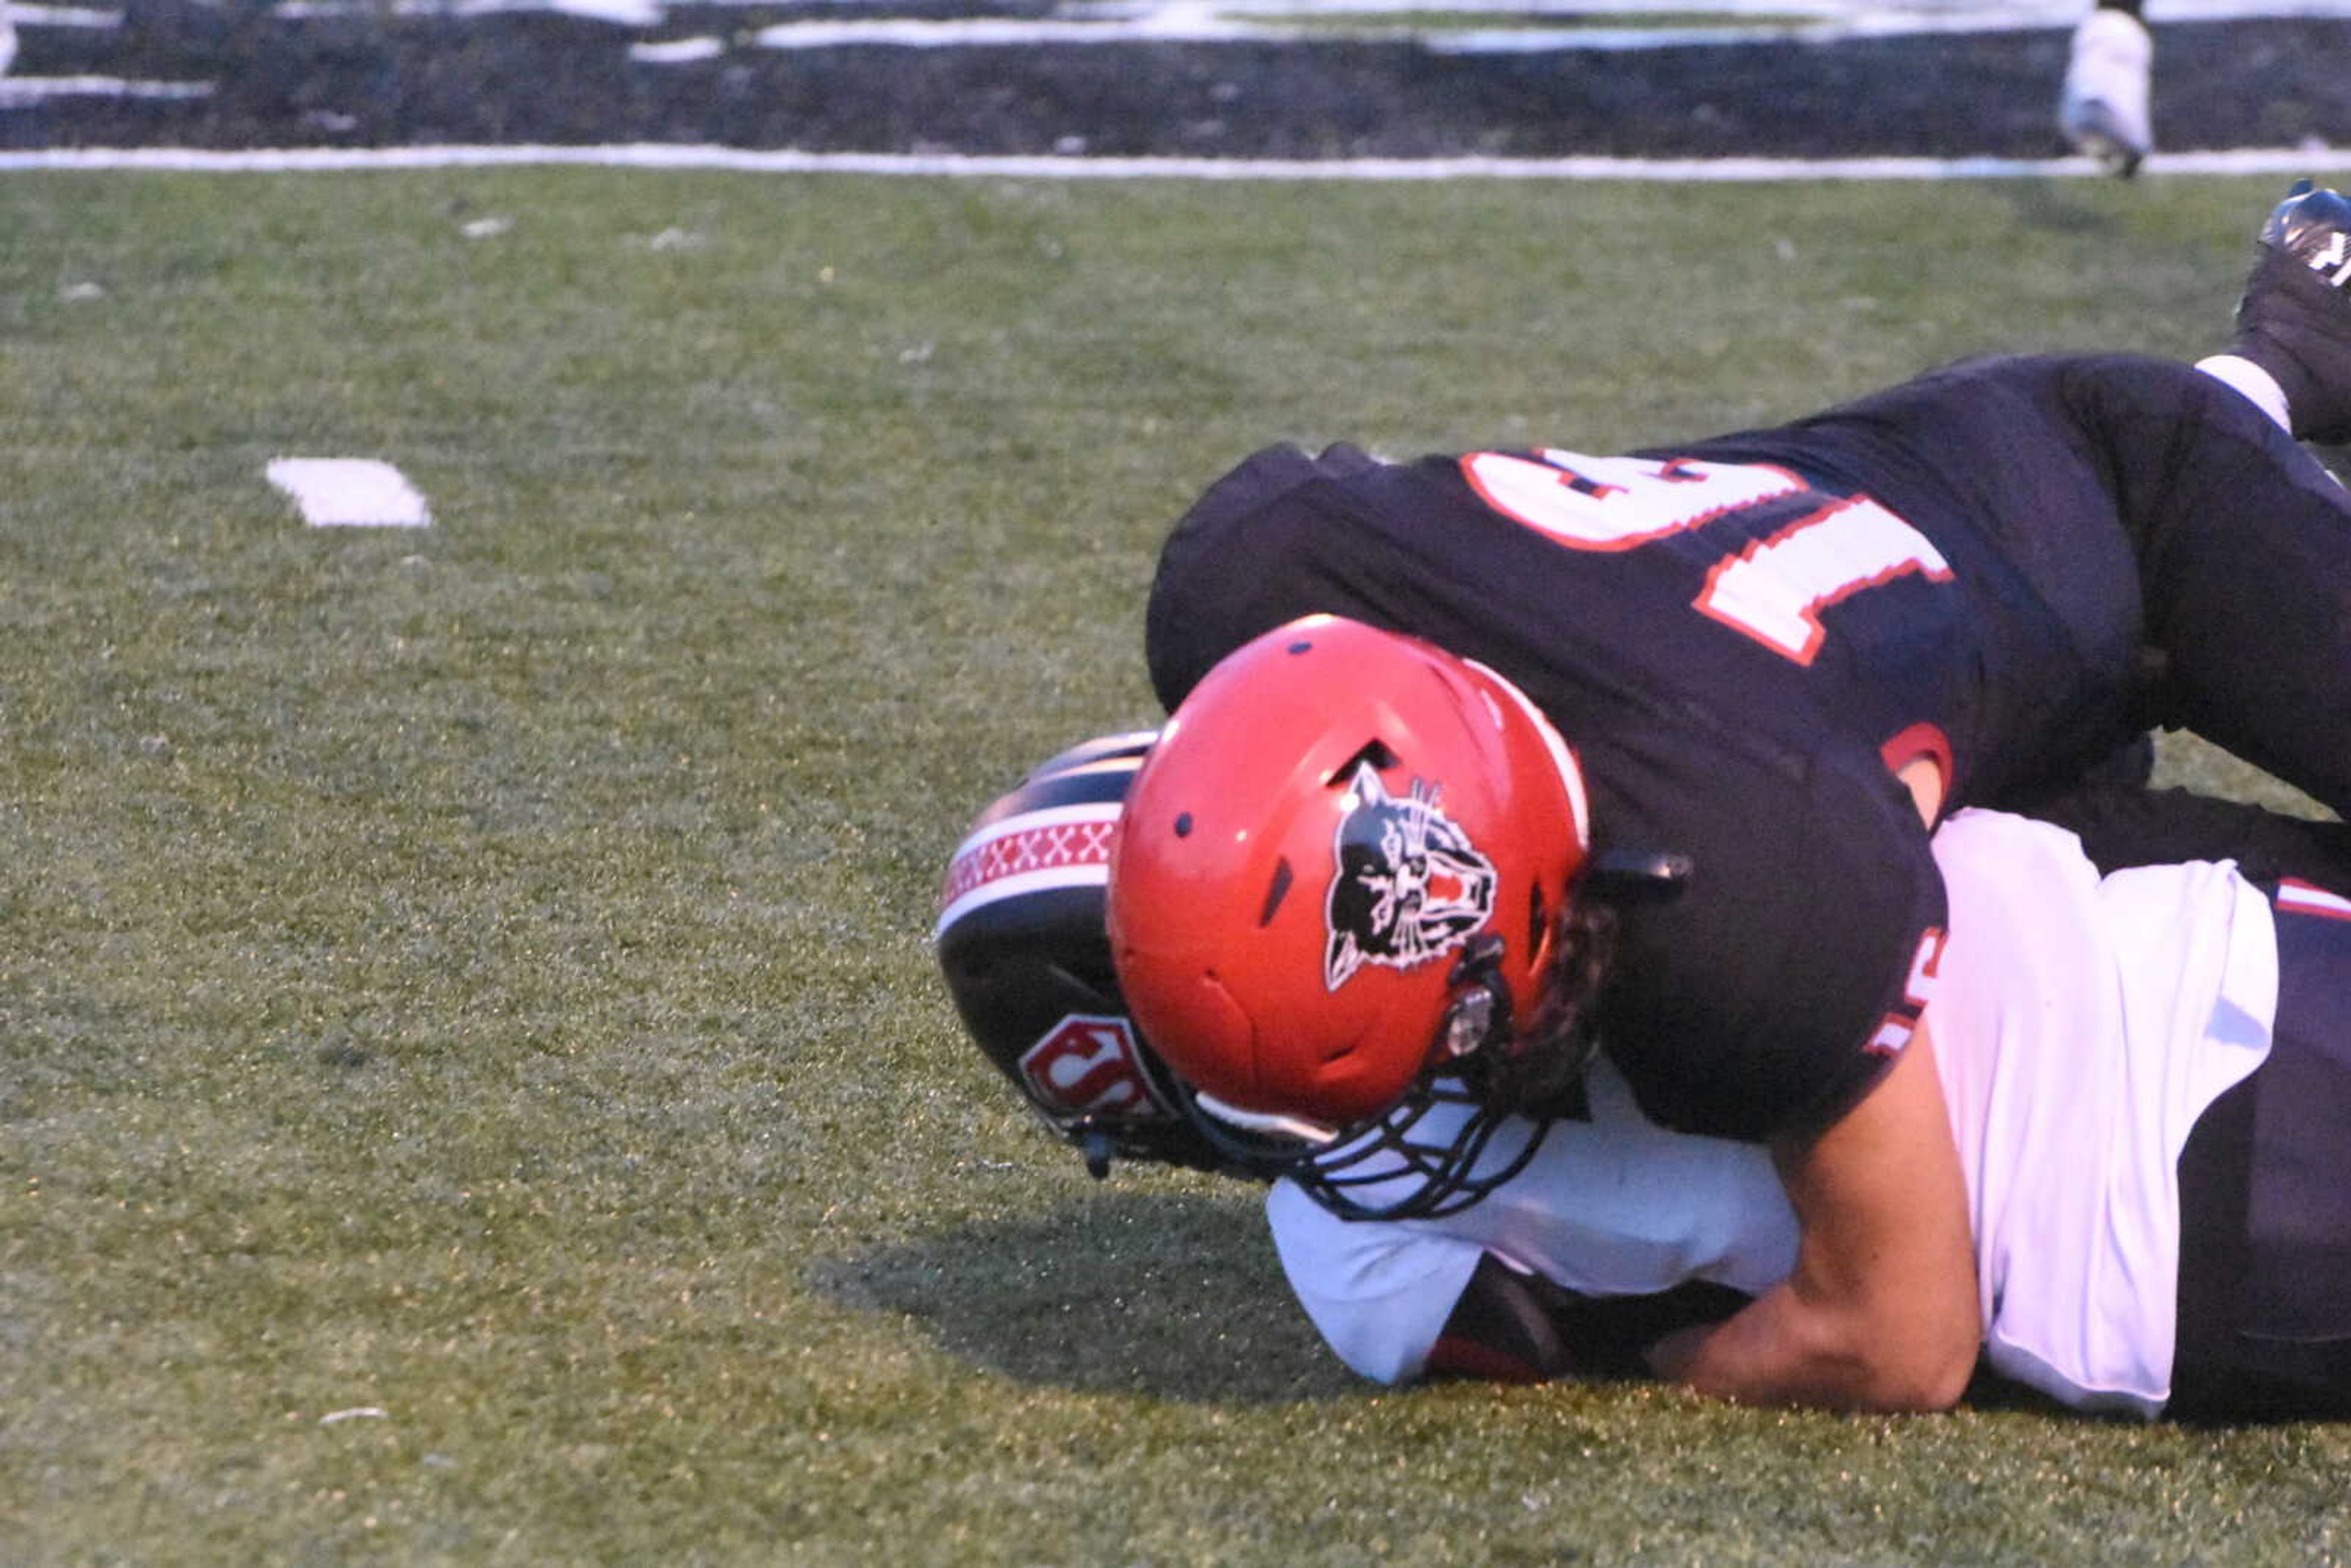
(2243, 545)
(2103, 107)
(2123, 823)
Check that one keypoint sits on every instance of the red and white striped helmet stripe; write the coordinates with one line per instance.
(1043, 849)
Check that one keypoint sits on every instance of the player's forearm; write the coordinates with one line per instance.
(1784, 1350)
(1880, 1311)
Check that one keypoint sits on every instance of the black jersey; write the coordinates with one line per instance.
(1738, 636)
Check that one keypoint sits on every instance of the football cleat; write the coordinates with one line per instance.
(2102, 110)
(2294, 320)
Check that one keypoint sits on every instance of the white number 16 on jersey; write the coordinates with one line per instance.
(1772, 590)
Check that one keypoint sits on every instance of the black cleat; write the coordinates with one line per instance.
(2294, 320)
(2313, 227)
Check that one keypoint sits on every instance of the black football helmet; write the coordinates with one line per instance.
(1022, 943)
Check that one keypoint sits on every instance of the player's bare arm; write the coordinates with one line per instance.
(1881, 1311)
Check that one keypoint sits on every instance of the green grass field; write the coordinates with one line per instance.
(473, 1086)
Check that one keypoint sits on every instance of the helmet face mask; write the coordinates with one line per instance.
(1339, 889)
(1470, 1122)
(1439, 1150)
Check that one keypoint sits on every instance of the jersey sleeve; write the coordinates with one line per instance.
(1209, 597)
(1784, 981)
(1379, 1293)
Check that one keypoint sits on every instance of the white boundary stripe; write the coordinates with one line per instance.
(1272, 21)
(652, 155)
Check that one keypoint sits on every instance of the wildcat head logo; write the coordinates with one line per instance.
(1409, 886)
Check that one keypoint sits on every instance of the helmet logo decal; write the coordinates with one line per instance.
(1090, 1065)
(1407, 886)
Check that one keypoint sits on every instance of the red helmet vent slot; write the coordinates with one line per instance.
(1276, 891)
(1374, 753)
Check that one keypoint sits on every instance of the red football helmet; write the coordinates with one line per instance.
(1341, 873)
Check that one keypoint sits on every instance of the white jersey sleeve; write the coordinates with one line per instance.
(1613, 1207)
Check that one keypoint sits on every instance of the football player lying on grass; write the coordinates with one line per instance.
(1422, 713)
(2146, 1076)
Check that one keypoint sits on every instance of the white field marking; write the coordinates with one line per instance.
(655, 155)
(2060, 14)
(1203, 21)
(357, 1412)
(623, 13)
(1165, 18)
(1297, 21)
(15, 90)
(678, 51)
(1268, 21)
(2054, 14)
(2045, 13)
(61, 17)
(349, 493)
(1311, 21)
